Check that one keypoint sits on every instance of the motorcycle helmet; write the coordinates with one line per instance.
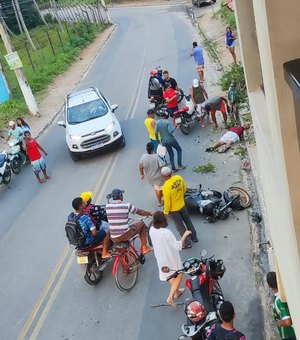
(162, 112)
(153, 73)
(159, 70)
(215, 269)
(195, 311)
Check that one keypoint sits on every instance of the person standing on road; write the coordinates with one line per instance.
(150, 165)
(117, 216)
(32, 148)
(230, 42)
(174, 204)
(150, 124)
(154, 86)
(166, 251)
(197, 53)
(171, 81)
(214, 104)
(166, 129)
(281, 311)
(225, 330)
(198, 96)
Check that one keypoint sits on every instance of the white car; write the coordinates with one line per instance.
(90, 123)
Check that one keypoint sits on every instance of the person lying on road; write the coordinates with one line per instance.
(232, 136)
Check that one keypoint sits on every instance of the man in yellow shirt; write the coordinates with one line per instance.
(174, 205)
(150, 124)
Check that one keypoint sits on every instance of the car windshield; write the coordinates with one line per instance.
(86, 111)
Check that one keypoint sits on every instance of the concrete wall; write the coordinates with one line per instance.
(269, 35)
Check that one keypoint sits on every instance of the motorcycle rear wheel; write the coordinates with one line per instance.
(6, 176)
(16, 166)
(242, 202)
(92, 276)
(184, 127)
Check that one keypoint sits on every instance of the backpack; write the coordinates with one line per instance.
(232, 336)
(74, 232)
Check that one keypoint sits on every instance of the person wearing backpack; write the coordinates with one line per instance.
(226, 330)
(88, 228)
(154, 86)
(96, 212)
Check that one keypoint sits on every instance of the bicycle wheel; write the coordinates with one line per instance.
(241, 203)
(127, 271)
(92, 275)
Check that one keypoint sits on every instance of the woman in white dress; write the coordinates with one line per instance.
(166, 250)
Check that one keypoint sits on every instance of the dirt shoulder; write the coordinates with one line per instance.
(137, 3)
(52, 100)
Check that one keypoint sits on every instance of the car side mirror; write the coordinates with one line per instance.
(114, 107)
(61, 123)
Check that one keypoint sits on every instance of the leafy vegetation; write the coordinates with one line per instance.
(12, 109)
(235, 72)
(205, 168)
(227, 15)
(241, 151)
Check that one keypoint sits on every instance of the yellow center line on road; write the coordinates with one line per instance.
(103, 180)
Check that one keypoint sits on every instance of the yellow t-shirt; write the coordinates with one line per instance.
(150, 128)
(173, 192)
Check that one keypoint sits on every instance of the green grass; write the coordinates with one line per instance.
(227, 15)
(205, 168)
(47, 65)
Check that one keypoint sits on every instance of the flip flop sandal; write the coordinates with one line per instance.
(222, 149)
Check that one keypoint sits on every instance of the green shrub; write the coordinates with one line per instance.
(12, 109)
(235, 72)
(205, 168)
(227, 15)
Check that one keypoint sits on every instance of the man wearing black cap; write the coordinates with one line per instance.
(117, 215)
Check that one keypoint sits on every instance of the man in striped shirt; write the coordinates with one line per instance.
(117, 215)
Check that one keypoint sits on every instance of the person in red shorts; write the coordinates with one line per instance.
(214, 104)
(170, 96)
(232, 136)
(32, 148)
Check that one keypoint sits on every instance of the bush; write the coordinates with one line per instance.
(227, 15)
(11, 110)
(235, 72)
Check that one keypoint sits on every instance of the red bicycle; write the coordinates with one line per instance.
(128, 259)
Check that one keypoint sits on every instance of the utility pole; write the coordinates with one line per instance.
(25, 88)
(40, 12)
(55, 9)
(17, 17)
(106, 11)
(19, 13)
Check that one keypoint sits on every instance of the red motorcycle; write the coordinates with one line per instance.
(202, 310)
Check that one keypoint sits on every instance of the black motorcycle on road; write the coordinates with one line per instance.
(211, 205)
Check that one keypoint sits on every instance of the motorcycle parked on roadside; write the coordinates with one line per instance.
(202, 310)
(187, 116)
(16, 156)
(210, 203)
(5, 171)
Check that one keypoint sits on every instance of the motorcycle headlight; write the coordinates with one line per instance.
(110, 127)
(74, 137)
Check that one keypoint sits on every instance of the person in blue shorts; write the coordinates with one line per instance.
(197, 53)
(230, 42)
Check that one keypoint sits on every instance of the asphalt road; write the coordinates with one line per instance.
(43, 294)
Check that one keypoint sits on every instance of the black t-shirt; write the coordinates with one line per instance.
(172, 82)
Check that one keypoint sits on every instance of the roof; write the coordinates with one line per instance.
(83, 96)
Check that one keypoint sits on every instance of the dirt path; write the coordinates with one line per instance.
(52, 100)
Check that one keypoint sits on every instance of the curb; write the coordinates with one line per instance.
(86, 70)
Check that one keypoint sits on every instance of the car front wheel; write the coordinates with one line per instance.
(74, 156)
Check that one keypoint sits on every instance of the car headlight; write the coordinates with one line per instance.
(75, 137)
(110, 127)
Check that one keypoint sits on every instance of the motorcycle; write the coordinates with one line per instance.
(187, 116)
(202, 310)
(5, 171)
(210, 203)
(16, 156)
